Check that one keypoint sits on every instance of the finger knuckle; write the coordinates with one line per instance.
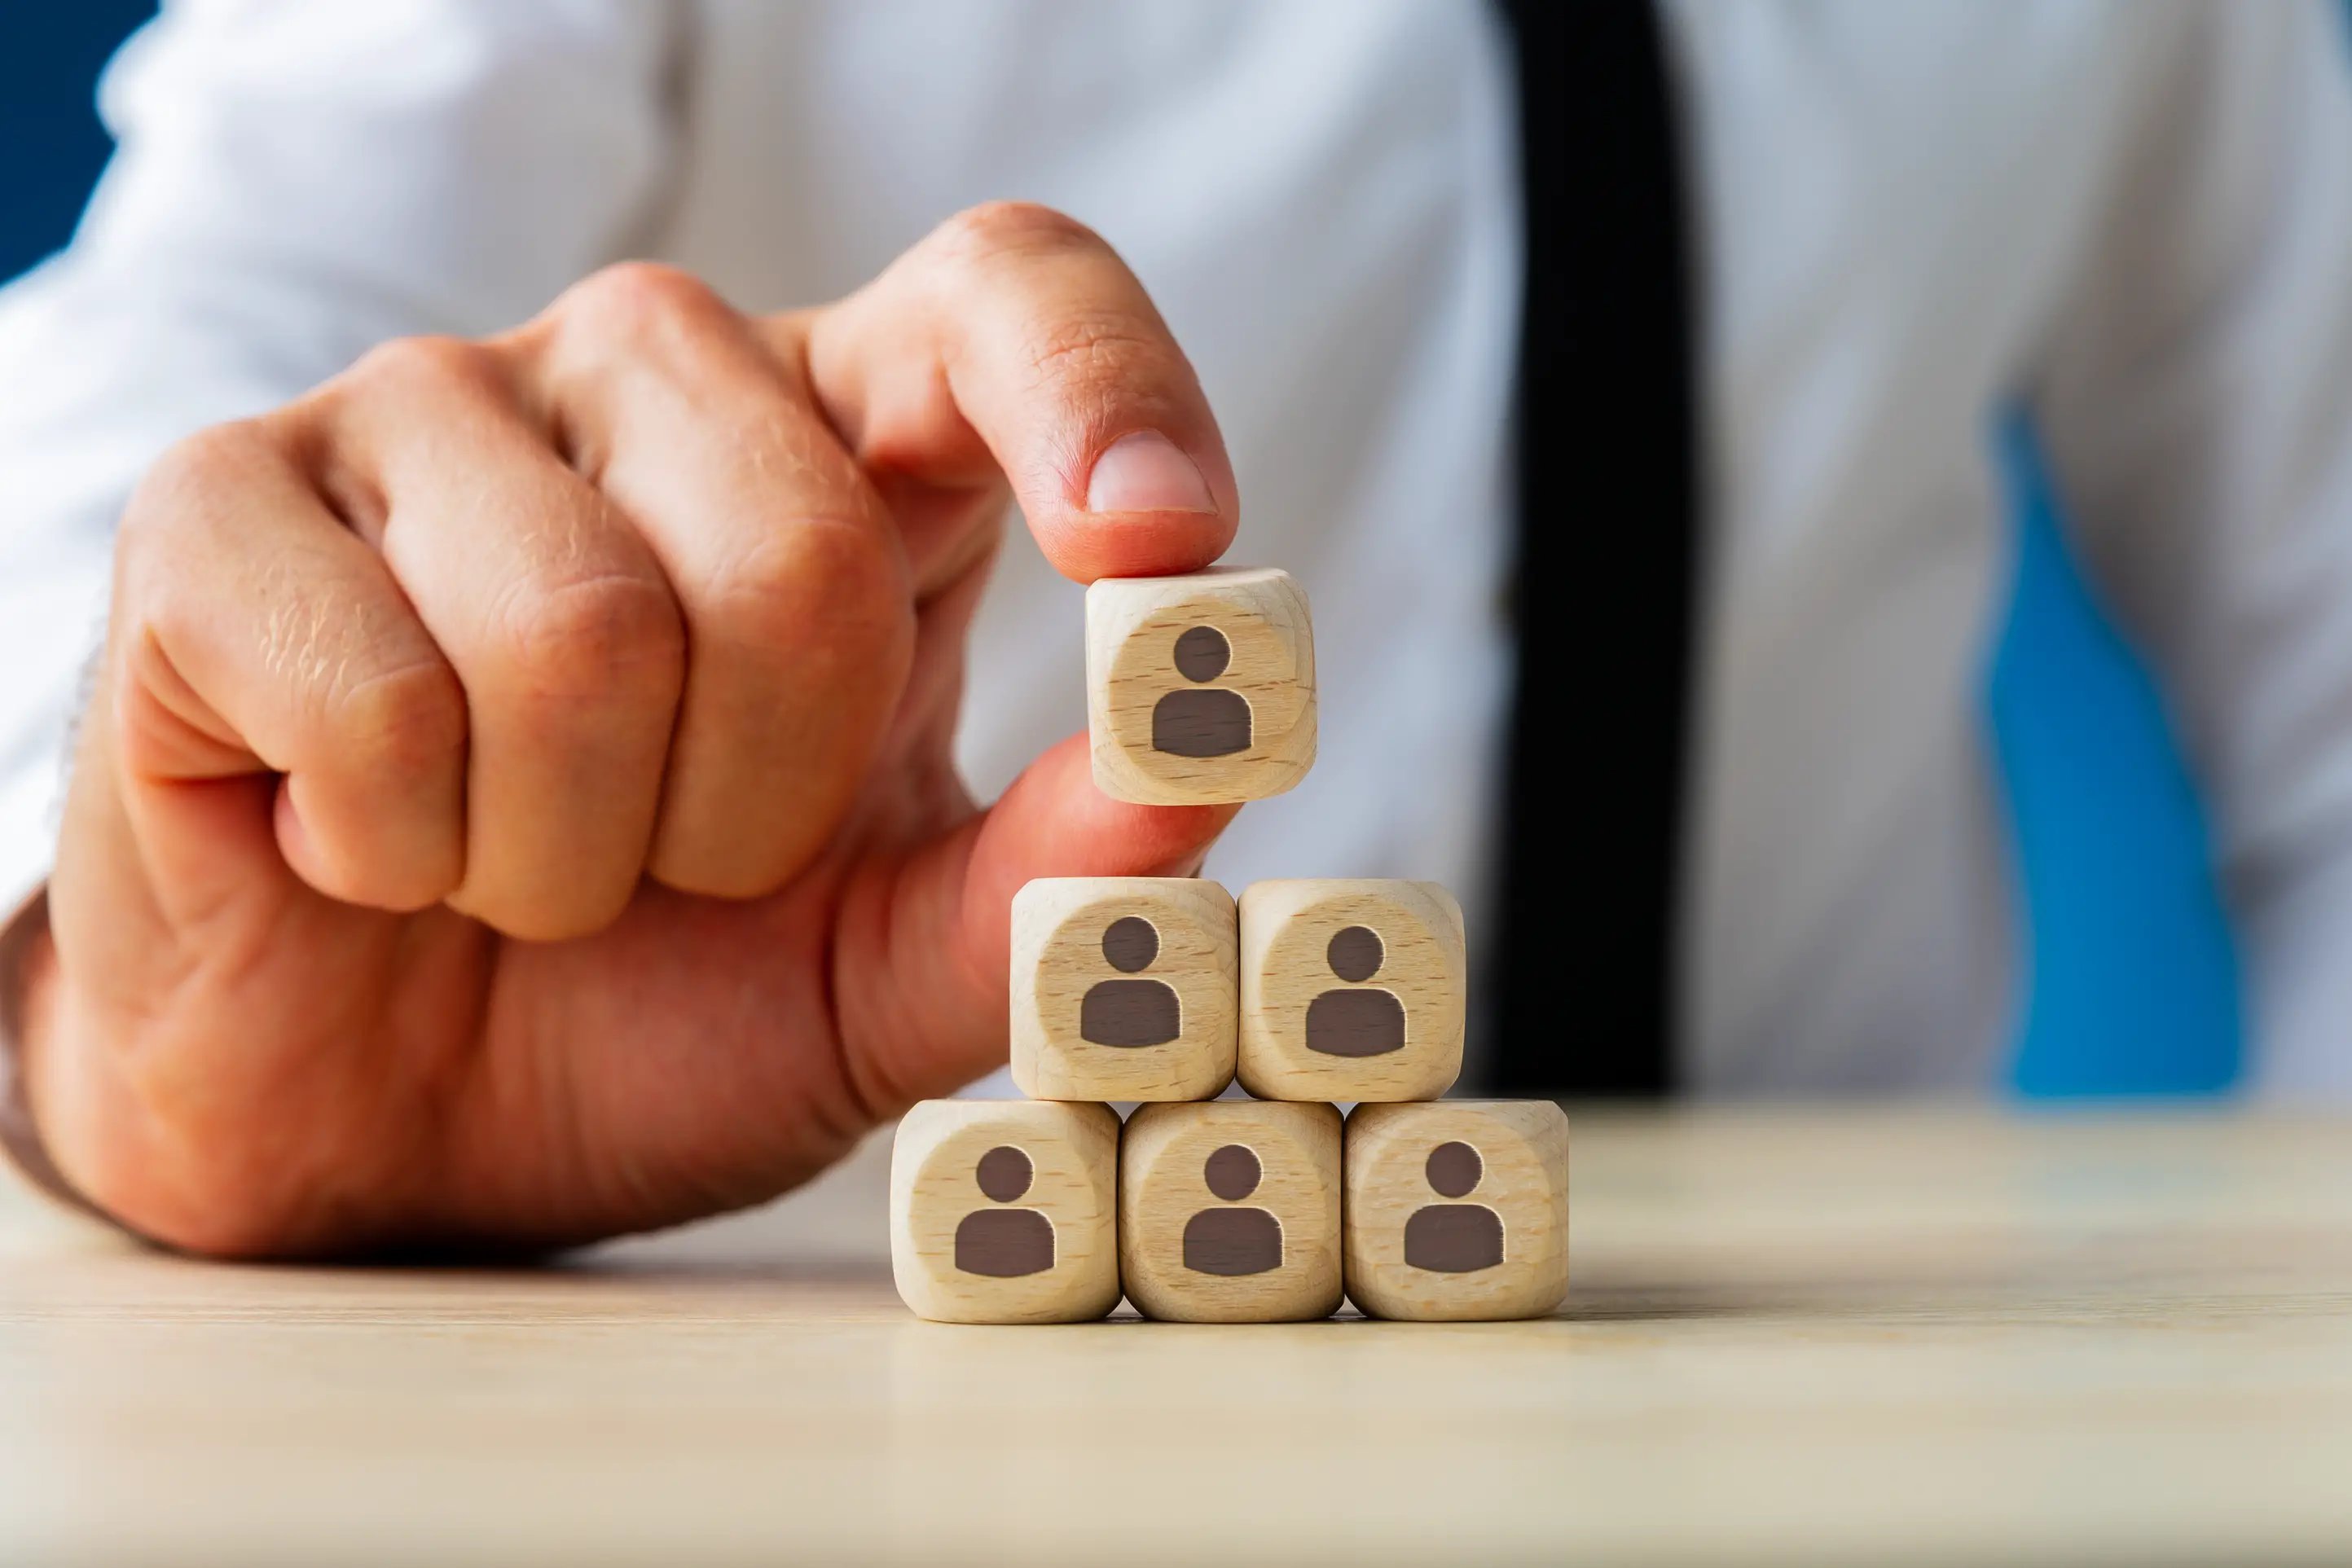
(994, 229)
(195, 473)
(421, 367)
(186, 495)
(640, 301)
(821, 581)
(616, 634)
(1087, 348)
(408, 723)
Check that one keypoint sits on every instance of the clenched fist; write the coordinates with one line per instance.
(515, 803)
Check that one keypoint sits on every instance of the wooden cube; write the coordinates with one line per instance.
(1005, 1212)
(1352, 989)
(1457, 1209)
(1200, 689)
(1123, 989)
(1229, 1211)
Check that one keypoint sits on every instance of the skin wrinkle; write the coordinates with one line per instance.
(821, 1107)
(332, 653)
(1092, 353)
(863, 1071)
(304, 645)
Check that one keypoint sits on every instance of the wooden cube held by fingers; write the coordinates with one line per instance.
(1200, 689)
(1005, 1212)
(1457, 1209)
(1123, 989)
(1352, 989)
(1229, 1211)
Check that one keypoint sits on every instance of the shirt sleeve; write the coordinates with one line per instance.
(2196, 405)
(294, 182)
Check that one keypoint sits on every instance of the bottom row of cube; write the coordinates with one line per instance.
(1022, 1211)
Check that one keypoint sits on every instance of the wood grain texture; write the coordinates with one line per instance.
(1180, 1240)
(1133, 627)
(1059, 924)
(1847, 1336)
(954, 1247)
(1426, 1186)
(1288, 933)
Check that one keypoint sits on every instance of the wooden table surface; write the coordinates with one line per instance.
(1854, 1336)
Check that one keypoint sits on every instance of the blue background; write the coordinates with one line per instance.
(2132, 983)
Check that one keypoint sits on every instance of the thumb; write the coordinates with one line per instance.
(1014, 341)
(923, 1012)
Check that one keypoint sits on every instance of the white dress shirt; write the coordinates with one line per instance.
(2134, 217)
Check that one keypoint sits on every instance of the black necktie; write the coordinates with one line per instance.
(1607, 503)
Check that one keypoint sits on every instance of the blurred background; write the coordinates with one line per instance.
(2131, 982)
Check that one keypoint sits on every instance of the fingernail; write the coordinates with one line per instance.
(1144, 472)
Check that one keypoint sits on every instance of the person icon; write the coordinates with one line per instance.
(1368, 1023)
(1132, 1011)
(1232, 1241)
(1454, 1237)
(1003, 1243)
(1202, 720)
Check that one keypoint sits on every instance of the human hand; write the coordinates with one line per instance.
(515, 806)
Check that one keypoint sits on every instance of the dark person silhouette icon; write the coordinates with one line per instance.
(1232, 1240)
(1355, 1022)
(1004, 1243)
(1202, 721)
(1454, 1237)
(1130, 1012)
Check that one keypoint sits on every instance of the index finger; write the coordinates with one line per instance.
(1014, 341)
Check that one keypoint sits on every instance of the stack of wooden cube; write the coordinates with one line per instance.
(1164, 991)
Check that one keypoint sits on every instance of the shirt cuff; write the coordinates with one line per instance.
(22, 1153)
